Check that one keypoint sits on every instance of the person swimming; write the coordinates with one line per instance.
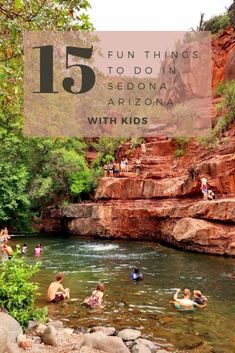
(136, 275)
(199, 298)
(185, 303)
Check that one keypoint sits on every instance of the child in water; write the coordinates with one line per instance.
(96, 298)
(24, 249)
(38, 250)
(199, 298)
(136, 275)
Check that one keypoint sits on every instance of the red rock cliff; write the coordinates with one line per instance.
(164, 202)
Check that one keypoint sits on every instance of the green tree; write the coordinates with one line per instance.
(27, 179)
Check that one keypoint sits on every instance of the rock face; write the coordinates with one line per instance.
(164, 203)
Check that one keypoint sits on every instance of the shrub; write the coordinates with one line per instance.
(179, 153)
(226, 109)
(218, 23)
(181, 143)
(17, 292)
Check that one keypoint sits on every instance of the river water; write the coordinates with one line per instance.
(145, 305)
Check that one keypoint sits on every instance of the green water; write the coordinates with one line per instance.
(144, 305)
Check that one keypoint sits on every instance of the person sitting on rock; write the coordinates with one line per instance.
(199, 298)
(56, 292)
(136, 275)
(210, 195)
(185, 302)
(96, 298)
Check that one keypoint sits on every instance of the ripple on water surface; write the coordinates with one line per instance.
(147, 303)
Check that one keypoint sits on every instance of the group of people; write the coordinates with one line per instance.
(8, 251)
(57, 293)
(38, 250)
(114, 169)
(186, 303)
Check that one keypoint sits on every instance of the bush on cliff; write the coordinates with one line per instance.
(226, 111)
(17, 292)
(218, 23)
(180, 143)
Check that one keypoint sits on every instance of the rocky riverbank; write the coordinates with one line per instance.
(53, 337)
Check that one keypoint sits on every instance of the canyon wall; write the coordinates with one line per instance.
(164, 203)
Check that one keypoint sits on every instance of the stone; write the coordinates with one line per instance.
(129, 344)
(56, 323)
(26, 344)
(11, 325)
(50, 336)
(129, 334)
(108, 331)
(140, 348)
(40, 329)
(152, 346)
(189, 342)
(110, 344)
(3, 339)
(68, 331)
(6, 345)
(32, 324)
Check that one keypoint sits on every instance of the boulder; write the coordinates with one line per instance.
(11, 325)
(50, 336)
(40, 329)
(108, 331)
(129, 334)
(152, 346)
(140, 348)
(26, 344)
(56, 323)
(3, 339)
(110, 344)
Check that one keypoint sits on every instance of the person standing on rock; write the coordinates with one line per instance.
(137, 166)
(204, 188)
(56, 292)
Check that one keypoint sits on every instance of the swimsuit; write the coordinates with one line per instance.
(58, 298)
(92, 301)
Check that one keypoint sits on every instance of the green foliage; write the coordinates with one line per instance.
(136, 141)
(31, 175)
(179, 153)
(181, 143)
(107, 148)
(218, 23)
(17, 292)
(226, 109)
